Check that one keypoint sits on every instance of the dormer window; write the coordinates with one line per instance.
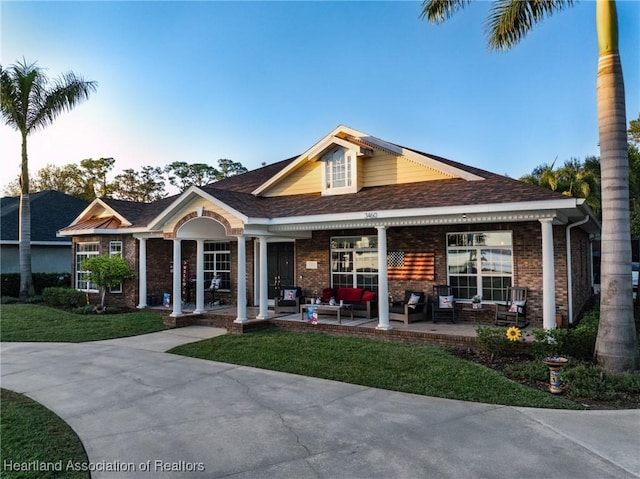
(339, 172)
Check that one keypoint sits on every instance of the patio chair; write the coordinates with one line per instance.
(514, 311)
(443, 305)
(413, 308)
(289, 300)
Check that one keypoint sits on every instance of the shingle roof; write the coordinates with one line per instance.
(494, 189)
(236, 191)
(50, 211)
(139, 214)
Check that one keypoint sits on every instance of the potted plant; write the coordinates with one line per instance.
(476, 302)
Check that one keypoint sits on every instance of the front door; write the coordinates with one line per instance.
(280, 261)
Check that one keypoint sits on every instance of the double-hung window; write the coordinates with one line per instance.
(85, 251)
(480, 263)
(354, 262)
(115, 249)
(217, 261)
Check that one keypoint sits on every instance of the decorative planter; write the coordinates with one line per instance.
(476, 305)
(555, 365)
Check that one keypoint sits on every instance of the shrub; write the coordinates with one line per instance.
(549, 342)
(11, 282)
(494, 340)
(589, 382)
(63, 297)
(87, 309)
(581, 341)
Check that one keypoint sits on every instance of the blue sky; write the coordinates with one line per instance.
(258, 82)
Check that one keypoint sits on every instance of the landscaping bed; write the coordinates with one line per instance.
(533, 373)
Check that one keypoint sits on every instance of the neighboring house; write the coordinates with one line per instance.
(50, 211)
(353, 210)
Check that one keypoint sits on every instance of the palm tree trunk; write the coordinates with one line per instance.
(616, 344)
(24, 230)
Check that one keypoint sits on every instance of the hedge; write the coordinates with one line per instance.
(11, 282)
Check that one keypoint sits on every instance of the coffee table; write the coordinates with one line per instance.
(328, 308)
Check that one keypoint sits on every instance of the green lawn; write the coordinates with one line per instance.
(33, 436)
(419, 369)
(28, 322)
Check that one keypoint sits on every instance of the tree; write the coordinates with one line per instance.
(95, 177)
(183, 175)
(29, 102)
(509, 21)
(107, 272)
(581, 180)
(229, 168)
(634, 176)
(145, 186)
(543, 175)
(87, 181)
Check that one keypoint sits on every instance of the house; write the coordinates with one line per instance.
(50, 211)
(352, 210)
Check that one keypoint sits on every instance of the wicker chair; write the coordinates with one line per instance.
(289, 300)
(408, 310)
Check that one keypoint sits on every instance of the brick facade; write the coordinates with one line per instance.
(527, 256)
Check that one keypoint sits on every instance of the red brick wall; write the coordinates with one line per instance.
(129, 295)
(527, 239)
(159, 275)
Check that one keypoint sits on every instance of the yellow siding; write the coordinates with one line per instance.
(381, 169)
(386, 169)
(306, 179)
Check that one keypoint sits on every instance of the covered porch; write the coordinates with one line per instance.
(460, 334)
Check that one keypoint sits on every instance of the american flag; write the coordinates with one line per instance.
(406, 265)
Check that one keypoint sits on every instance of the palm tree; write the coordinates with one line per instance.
(509, 21)
(29, 103)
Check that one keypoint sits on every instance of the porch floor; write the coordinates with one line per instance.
(463, 327)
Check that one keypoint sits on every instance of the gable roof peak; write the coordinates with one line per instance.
(351, 138)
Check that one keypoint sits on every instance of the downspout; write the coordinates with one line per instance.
(569, 275)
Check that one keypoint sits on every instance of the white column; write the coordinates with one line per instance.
(548, 276)
(242, 281)
(264, 280)
(177, 272)
(142, 273)
(199, 277)
(383, 280)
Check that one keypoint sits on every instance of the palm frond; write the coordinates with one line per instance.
(511, 20)
(66, 92)
(437, 11)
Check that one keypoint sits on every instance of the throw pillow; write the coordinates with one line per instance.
(290, 294)
(515, 306)
(414, 299)
(368, 296)
(326, 294)
(445, 302)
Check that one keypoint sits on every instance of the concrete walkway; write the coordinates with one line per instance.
(145, 413)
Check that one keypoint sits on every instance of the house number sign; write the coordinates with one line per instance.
(371, 214)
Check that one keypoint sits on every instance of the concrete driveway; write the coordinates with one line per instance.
(143, 413)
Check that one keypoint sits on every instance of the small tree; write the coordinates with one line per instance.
(107, 272)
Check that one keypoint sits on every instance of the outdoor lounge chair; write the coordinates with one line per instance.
(443, 305)
(413, 308)
(514, 311)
